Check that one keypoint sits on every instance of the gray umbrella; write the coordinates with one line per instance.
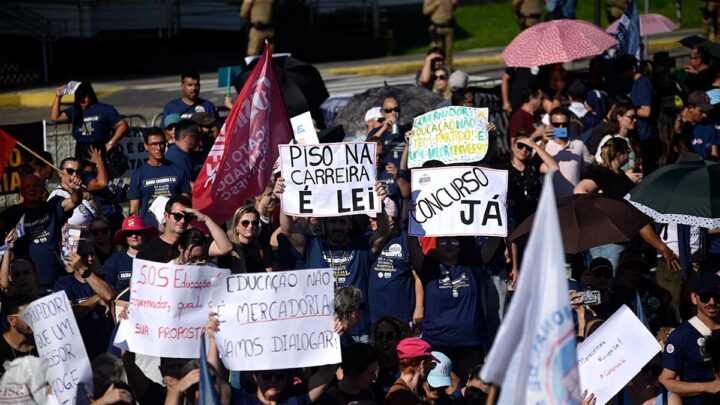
(413, 100)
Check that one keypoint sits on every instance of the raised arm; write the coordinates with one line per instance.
(221, 244)
(101, 181)
(6, 260)
(318, 382)
(98, 285)
(120, 128)
(72, 184)
(382, 233)
(287, 227)
(55, 114)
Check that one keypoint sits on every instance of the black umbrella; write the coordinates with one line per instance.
(696, 40)
(413, 101)
(302, 86)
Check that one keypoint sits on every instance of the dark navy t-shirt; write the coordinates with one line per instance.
(641, 94)
(685, 354)
(240, 397)
(185, 111)
(453, 308)
(181, 159)
(391, 286)
(118, 269)
(98, 123)
(703, 136)
(149, 182)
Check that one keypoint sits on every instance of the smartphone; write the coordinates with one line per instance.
(70, 242)
(560, 132)
(590, 297)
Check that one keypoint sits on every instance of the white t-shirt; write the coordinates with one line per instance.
(670, 237)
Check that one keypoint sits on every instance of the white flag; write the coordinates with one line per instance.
(534, 359)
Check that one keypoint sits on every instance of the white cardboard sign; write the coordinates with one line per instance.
(276, 320)
(303, 129)
(459, 200)
(614, 354)
(59, 342)
(168, 309)
(329, 179)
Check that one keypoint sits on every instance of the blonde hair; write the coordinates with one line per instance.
(245, 209)
(612, 149)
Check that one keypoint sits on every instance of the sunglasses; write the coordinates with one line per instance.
(705, 297)
(99, 231)
(246, 222)
(389, 110)
(141, 234)
(198, 258)
(559, 124)
(380, 120)
(267, 375)
(452, 242)
(70, 170)
(386, 335)
(439, 77)
(602, 274)
(183, 215)
(523, 146)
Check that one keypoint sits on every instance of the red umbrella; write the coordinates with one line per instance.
(649, 24)
(556, 41)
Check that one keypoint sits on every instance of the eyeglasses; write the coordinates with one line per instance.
(139, 234)
(279, 375)
(705, 297)
(389, 110)
(451, 242)
(380, 120)
(439, 77)
(630, 117)
(386, 335)
(559, 124)
(99, 231)
(523, 146)
(70, 170)
(198, 258)
(178, 216)
(246, 222)
(157, 144)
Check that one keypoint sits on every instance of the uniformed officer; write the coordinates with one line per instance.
(258, 13)
(687, 371)
(528, 12)
(442, 25)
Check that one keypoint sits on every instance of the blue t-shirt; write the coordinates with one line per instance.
(149, 182)
(98, 123)
(703, 136)
(186, 111)
(181, 159)
(118, 269)
(685, 354)
(391, 286)
(642, 94)
(350, 267)
(453, 308)
(95, 327)
(240, 397)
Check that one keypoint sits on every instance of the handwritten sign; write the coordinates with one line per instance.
(614, 354)
(329, 179)
(450, 135)
(168, 308)
(132, 146)
(276, 320)
(58, 341)
(462, 200)
(303, 129)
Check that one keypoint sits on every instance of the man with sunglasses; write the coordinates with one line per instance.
(571, 154)
(156, 177)
(687, 370)
(178, 216)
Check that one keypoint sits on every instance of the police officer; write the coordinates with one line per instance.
(258, 13)
(687, 371)
(442, 25)
(528, 12)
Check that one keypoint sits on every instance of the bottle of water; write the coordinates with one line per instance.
(631, 161)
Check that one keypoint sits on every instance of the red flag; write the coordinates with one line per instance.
(7, 144)
(241, 161)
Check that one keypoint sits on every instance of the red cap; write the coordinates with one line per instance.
(133, 223)
(412, 347)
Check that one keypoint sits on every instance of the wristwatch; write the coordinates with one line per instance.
(87, 273)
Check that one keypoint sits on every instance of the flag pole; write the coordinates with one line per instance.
(32, 152)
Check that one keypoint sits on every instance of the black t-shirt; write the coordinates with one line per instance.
(615, 185)
(7, 353)
(523, 189)
(156, 250)
(701, 81)
(154, 394)
(246, 259)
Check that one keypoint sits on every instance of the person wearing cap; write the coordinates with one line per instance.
(696, 130)
(190, 102)
(207, 133)
(181, 152)
(373, 119)
(415, 358)
(687, 370)
(168, 125)
(118, 267)
(439, 382)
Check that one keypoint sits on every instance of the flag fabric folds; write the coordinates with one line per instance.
(241, 160)
(208, 394)
(628, 32)
(7, 144)
(533, 358)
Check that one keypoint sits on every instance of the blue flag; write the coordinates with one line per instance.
(208, 395)
(628, 32)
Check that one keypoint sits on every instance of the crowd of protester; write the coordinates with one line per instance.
(417, 315)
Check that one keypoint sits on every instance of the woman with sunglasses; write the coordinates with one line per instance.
(386, 335)
(118, 267)
(84, 213)
(621, 124)
(247, 254)
(441, 84)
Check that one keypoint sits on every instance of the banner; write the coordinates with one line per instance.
(303, 129)
(31, 135)
(168, 308)
(271, 321)
(610, 357)
(132, 145)
(58, 341)
(450, 135)
(240, 161)
(462, 200)
(329, 179)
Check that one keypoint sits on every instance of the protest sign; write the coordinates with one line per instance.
(70, 88)
(58, 341)
(271, 321)
(462, 200)
(329, 179)
(132, 145)
(303, 129)
(168, 308)
(610, 357)
(450, 135)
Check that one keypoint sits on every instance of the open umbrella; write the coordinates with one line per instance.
(649, 24)
(556, 41)
(684, 193)
(302, 86)
(413, 101)
(696, 40)
(590, 220)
